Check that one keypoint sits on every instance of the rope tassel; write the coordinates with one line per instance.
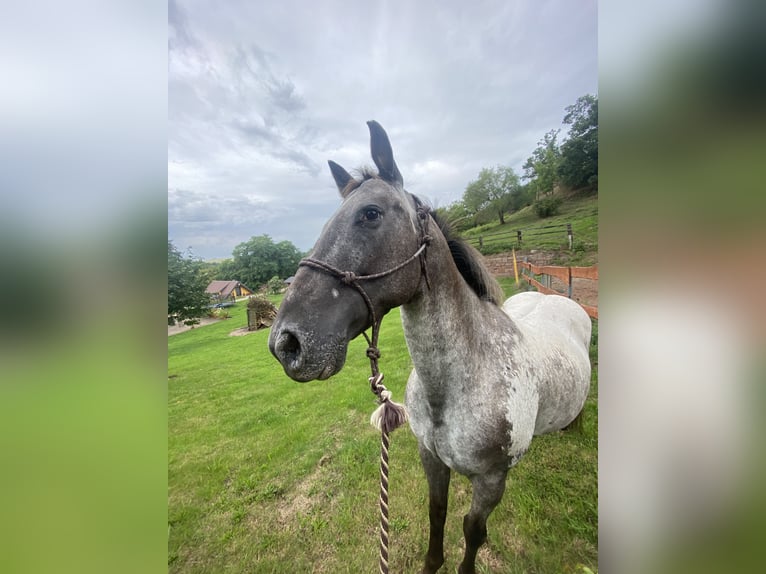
(389, 415)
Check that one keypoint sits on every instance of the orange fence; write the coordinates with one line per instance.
(564, 274)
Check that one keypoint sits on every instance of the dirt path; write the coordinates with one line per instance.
(180, 327)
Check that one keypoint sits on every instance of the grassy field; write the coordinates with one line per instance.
(269, 475)
(581, 212)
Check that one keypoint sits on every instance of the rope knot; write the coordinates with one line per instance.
(427, 239)
(373, 353)
(376, 384)
(348, 277)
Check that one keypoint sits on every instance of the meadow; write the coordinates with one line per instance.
(269, 475)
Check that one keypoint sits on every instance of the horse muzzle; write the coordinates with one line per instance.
(304, 356)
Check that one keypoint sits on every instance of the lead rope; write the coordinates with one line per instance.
(389, 415)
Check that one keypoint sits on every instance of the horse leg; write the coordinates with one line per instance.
(487, 492)
(438, 475)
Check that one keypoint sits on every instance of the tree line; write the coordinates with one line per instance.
(255, 261)
(573, 164)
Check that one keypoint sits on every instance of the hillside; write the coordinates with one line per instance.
(547, 235)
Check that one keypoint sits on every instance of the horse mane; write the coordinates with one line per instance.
(469, 263)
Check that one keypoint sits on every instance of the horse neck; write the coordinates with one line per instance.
(447, 322)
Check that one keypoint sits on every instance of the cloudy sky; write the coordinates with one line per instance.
(262, 94)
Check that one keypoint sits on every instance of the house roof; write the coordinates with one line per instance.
(223, 288)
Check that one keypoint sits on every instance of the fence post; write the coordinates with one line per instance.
(569, 234)
(518, 236)
(570, 278)
(481, 241)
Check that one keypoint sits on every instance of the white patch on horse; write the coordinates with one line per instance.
(335, 293)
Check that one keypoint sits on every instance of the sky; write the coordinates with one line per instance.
(262, 94)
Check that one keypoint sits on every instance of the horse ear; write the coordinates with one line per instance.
(340, 175)
(383, 155)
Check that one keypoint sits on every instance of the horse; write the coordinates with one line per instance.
(488, 375)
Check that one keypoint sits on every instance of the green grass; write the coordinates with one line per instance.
(269, 475)
(581, 212)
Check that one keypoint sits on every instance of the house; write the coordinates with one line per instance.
(227, 291)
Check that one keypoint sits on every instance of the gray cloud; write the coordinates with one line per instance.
(261, 95)
(190, 207)
(178, 34)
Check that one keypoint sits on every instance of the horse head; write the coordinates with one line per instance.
(374, 231)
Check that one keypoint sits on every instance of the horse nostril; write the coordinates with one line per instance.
(288, 346)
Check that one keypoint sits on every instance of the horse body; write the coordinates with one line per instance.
(486, 379)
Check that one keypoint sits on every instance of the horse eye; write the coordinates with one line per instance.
(371, 214)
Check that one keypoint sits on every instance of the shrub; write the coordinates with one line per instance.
(221, 314)
(275, 285)
(547, 207)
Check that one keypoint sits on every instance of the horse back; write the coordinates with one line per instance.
(537, 311)
(556, 339)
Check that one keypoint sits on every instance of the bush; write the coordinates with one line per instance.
(275, 285)
(547, 207)
(221, 314)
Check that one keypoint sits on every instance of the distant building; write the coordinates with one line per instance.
(225, 291)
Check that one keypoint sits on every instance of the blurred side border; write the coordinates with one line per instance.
(83, 227)
(682, 309)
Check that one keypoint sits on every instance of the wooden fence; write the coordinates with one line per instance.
(564, 274)
(507, 236)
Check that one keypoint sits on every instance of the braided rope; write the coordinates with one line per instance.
(383, 562)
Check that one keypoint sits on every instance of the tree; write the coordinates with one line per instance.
(226, 270)
(579, 153)
(523, 196)
(257, 260)
(187, 300)
(211, 270)
(456, 214)
(541, 168)
(492, 191)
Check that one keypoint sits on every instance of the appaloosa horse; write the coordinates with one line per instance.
(486, 378)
